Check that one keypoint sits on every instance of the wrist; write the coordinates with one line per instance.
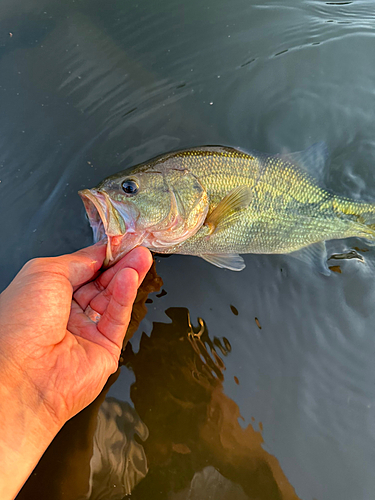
(26, 430)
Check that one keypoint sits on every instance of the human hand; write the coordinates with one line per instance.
(48, 339)
(54, 360)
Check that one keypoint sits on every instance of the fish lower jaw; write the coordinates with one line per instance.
(119, 245)
(113, 242)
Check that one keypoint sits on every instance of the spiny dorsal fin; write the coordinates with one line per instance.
(233, 262)
(227, 210)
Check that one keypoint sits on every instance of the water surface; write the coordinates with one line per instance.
(259, 384)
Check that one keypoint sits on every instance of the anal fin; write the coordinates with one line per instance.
(315, 255)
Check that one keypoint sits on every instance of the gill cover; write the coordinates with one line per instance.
(189, 207)
(171, 205)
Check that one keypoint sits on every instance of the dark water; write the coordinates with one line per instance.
(235, 386)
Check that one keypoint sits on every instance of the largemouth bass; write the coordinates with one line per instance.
(218, 202)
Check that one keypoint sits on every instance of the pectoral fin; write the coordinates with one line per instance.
(228, 209)
(233, 262)
(315, 255)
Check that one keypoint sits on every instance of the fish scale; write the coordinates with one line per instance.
(289, 209)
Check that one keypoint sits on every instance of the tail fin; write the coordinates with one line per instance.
(366, 219)
(362, 216)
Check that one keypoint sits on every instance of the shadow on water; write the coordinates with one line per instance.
(179, 438)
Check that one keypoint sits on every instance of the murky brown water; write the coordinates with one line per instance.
(251, 385)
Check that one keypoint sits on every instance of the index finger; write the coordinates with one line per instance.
(138, 259)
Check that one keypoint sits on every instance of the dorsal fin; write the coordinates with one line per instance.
(312, 160)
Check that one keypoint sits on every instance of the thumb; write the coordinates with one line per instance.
(80, 267)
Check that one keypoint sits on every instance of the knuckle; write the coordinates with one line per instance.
(36, 264)
(41, 265)
(99, 286)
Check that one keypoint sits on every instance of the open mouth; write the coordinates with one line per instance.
(94, 213)
(104, 220)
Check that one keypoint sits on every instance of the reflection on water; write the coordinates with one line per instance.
(209, 483)
(182, 439)
(151, 283)
(194, 427)
(118, 461)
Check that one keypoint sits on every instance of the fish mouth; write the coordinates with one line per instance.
(95, 213)
(105, 220)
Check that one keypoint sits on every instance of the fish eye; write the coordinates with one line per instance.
(130, 187)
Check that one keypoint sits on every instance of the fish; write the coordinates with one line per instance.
(218, 202)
